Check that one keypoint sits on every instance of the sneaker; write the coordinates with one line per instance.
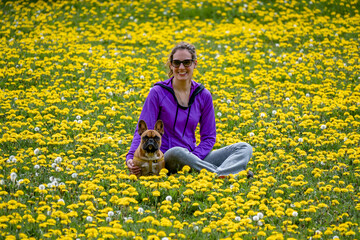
(250, 174)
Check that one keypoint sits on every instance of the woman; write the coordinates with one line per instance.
(181, 103)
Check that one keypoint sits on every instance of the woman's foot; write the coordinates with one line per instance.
(250, 174)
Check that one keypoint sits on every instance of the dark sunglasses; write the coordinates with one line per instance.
(186, 63)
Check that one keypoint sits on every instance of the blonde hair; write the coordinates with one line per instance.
(181, 45)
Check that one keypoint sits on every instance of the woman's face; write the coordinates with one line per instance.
(183, 73)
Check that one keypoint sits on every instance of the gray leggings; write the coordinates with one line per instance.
(227, 160)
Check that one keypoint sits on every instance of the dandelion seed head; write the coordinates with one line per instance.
(13, 176)
(140, 210)
(58, 160)
(260, 215)
(36, 151)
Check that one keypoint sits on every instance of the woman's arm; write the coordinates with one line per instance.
(149, 114)
(207, 127)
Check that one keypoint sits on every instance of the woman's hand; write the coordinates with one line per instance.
(133, 169)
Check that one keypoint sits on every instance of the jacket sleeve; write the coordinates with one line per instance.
(207, 128)
(149, 114)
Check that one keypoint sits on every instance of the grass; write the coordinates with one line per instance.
(284, 76)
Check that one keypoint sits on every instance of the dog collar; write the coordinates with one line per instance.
(147, 160)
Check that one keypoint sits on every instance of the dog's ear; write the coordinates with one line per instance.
(159, 127)
(142, 127)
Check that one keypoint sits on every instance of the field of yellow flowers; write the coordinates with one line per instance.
(284, 76)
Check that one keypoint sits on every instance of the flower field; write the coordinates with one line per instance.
(284, 76)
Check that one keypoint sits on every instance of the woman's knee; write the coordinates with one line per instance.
(174, 159)
(243, 146)
(175, 153)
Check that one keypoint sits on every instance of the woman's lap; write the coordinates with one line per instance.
(228, 160)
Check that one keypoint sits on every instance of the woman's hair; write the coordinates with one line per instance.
(181, 45)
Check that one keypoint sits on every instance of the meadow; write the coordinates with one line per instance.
(284, 77)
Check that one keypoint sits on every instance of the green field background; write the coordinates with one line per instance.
(284, 76)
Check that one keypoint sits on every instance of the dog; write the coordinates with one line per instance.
(148, 155)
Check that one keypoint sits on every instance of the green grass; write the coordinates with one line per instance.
(278, 71)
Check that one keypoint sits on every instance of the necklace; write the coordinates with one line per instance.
(182, 97)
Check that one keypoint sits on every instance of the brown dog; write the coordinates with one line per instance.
(148, 155)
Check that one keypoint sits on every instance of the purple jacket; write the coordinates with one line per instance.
(179, 122)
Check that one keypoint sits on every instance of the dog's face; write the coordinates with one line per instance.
(150, 139)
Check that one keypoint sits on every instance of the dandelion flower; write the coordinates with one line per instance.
(13, 176)
(12, 159)
(36, 151)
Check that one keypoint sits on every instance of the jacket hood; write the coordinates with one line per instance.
(196, 88)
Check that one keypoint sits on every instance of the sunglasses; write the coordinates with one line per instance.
(186, 63)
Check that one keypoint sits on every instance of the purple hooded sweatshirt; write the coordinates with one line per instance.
(179, 122)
